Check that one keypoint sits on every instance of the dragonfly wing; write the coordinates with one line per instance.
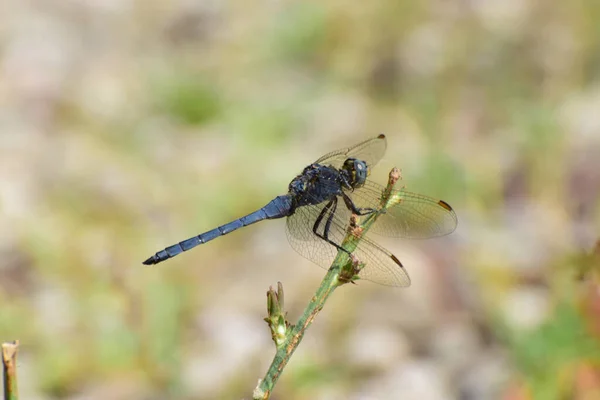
(410, 215)
(299, 231)
(380, 266)
(369, 151)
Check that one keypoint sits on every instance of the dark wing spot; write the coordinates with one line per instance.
(381, 136)
(445, 205)
(396, 260)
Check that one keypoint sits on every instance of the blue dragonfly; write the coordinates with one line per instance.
(318, 207)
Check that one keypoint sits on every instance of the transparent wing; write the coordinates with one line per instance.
(369, 151)
(299, 230)
(380, 266)
(411, 215)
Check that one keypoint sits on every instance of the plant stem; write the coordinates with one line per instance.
(286, 349)
(9, 362)
(341, 271)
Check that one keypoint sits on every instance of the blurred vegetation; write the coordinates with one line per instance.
(128, 126)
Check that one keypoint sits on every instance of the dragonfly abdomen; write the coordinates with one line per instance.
(279, 207)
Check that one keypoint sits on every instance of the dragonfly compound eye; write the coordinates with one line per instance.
(357, 171)
(360, 172)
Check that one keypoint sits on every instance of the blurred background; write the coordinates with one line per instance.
(126, 126)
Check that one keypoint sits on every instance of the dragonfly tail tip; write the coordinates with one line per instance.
(150, 261)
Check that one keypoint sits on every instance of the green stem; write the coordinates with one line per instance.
(9, 362)
(340, 272)
(286, 349)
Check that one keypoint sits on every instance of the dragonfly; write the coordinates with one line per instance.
(319, 205)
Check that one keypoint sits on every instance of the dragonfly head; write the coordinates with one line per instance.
(356, 171)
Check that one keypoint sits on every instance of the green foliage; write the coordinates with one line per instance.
(189, 98)
(310, 376)
(299, 33)
(547, 354)
(265, 125)
(163, 311)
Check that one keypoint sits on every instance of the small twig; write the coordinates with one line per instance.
(395, 176)
(276, 319)
(344, 269)
(9, 362)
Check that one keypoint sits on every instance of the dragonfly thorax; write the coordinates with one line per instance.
(354, 172)
(317, 183)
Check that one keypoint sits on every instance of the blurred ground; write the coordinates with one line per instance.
(126, 126)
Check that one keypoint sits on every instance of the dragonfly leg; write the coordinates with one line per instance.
(330, 218)
(356, 210)
(329, 208)
(320, 217)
